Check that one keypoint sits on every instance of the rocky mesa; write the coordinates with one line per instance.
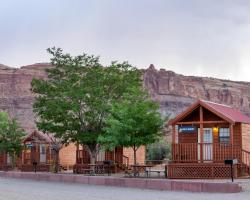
(15, 95)
(173, 91)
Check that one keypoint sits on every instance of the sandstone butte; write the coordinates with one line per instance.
(173, 91)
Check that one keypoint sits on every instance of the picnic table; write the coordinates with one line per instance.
(101, 168)
(96, 169)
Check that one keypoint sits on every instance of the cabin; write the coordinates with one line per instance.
(204, 136)
(5, 161)
(37, 153)
(121, 158)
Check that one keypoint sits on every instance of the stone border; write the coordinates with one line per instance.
(155, 184)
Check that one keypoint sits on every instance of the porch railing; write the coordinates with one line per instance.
(246, 158)
(200, 152)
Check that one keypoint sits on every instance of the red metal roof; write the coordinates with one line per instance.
(227, 111)
(48, 138)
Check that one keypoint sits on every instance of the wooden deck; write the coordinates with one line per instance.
(187, 162)
(119, 161)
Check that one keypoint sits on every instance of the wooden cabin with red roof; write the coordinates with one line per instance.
(204, 136)
(37, 153)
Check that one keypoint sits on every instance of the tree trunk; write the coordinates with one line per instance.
(56, 147)
(92, 158)
(57, 163)
(93, 151)
(13, 160)
(135, 160)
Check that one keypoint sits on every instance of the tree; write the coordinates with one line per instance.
(11, 136)
(76, 98)
(134, 122)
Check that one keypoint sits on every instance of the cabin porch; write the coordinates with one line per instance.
(114, 161)
(202, 139)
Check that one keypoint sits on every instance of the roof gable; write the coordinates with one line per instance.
(39, 135)
(225, 112)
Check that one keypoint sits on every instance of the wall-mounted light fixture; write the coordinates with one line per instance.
(215, 130)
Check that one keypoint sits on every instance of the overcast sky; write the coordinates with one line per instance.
(191, 37)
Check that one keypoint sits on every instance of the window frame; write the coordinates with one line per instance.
(224, 136)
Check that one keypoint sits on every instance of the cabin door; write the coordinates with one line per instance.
(42, 153)
(207, 146)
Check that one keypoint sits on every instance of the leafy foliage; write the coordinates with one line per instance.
(76, 99)
(134, 122)
(158, 151)
(11, 136)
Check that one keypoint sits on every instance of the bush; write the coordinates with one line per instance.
(159, 151)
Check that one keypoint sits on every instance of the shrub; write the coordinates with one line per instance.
(158, 151)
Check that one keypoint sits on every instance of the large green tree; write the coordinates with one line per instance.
(11, 136)
(135, 121)
(76, 98)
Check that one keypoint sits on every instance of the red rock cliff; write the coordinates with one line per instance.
(15, 95)
(174, 92)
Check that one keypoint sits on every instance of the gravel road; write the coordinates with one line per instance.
(17, 189)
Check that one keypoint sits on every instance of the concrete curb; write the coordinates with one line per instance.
(155, 184)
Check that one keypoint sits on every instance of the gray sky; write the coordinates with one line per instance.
(191, 37)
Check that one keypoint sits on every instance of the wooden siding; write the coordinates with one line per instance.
(245, 136)
(237, 141)
(141, 155)
(67, 155)
(188, 138)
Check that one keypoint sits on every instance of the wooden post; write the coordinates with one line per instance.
(50, 153)
(173, 134)
(77, 152)
(5, 158)
(22, 157)
(115, 155)
(231, 139)
(231, 134)
(173, 142)
(201, 133)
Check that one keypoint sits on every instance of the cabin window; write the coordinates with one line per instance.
(224, 135)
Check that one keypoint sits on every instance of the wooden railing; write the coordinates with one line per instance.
(199, 152)
(82, 157)
(125, 160)
(245, 159)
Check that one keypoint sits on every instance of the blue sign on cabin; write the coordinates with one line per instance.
(187, 129)
(29, 145)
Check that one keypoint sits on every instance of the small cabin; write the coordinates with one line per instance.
(37, 152)
(204, 136)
